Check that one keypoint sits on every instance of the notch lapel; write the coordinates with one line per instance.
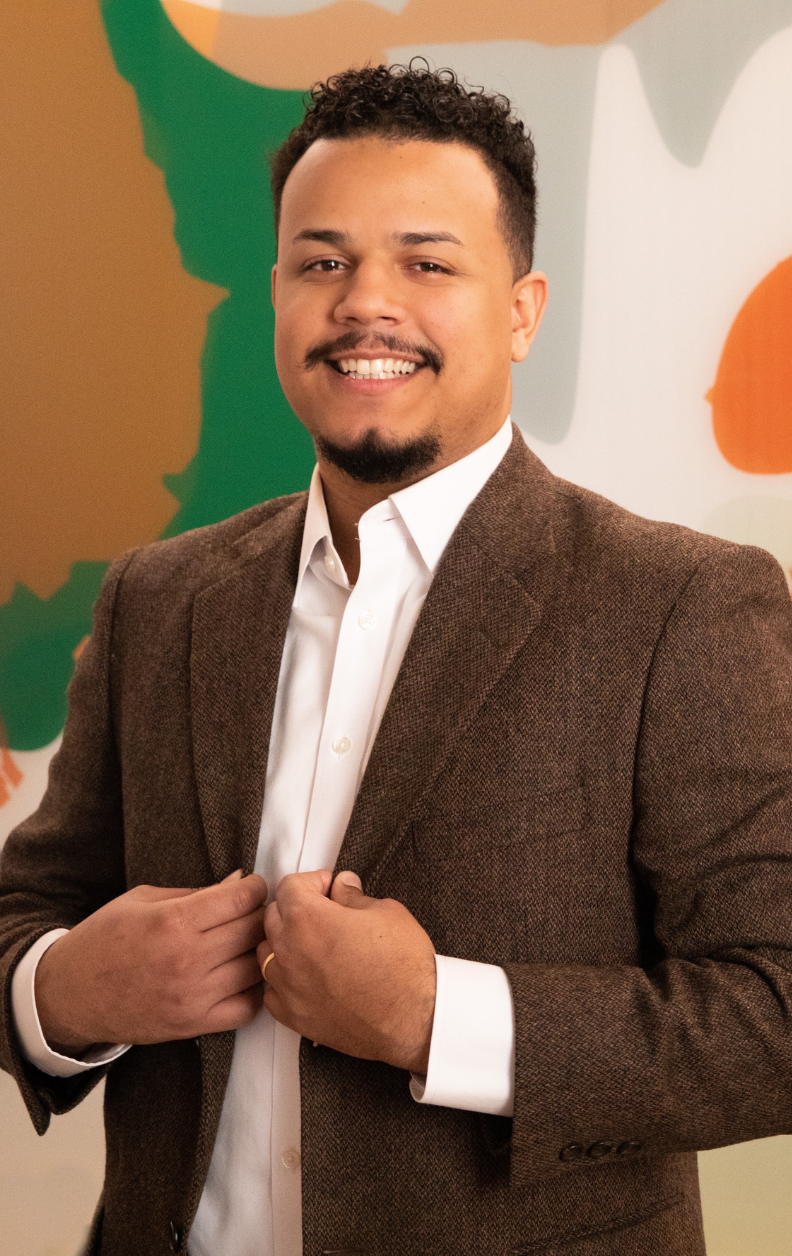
(239, 628)
(484, 602)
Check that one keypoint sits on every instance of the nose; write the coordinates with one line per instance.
(369, 299)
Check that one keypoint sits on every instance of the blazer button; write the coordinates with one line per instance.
(176, 1236)
(572, 1151)
(597, 1150)
(628, 1149)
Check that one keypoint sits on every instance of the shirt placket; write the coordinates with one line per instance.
(357, 674)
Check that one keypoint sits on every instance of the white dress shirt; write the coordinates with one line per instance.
(344, 647)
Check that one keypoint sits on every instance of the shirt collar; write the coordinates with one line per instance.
(432, 508)
(429, 509)
(317, 525)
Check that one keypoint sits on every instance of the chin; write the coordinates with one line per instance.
(349, 430)
(377, 455)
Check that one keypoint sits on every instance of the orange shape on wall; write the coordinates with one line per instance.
(295, 49)
(752, 395)
(10, 776)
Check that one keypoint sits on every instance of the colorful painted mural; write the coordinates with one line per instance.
(140, 395)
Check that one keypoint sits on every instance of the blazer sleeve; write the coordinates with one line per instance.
(694, 1051)
(67, 859)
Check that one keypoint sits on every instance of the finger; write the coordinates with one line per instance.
(236, 1011)
(157, 893)
(233, 977)
(275, 1005)
(262, 951)
(299, 887)
(230, 900)
(348, 891)
(273, 923)
(225, 942)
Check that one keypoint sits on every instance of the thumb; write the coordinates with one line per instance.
(348, 890)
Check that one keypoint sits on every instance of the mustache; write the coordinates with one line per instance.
(354, 339)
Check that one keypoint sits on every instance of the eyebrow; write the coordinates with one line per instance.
(408, 239)
(337, 238)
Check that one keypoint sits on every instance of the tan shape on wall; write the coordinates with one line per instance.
(102, 328)
(296, 51)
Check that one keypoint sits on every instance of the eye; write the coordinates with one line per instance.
(431, 268)
(325, 265)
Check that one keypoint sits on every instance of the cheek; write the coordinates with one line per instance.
(292, 340)
(475, 336)
(300, 321)
(289, 336)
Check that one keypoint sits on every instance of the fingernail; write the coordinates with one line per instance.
(350, 878)
(233, 876)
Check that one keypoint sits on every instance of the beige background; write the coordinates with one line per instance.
(48, 1186)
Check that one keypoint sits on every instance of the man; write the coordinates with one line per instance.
(547, 744)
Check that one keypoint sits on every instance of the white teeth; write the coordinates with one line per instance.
(377, 368)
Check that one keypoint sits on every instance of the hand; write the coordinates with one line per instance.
(154, 965)
(352, 972)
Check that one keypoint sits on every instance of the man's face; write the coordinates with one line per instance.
(396, 310)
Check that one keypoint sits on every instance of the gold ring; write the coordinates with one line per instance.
(264, 965)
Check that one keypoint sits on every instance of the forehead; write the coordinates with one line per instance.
(375, 183)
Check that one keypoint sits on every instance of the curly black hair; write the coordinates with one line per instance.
(414, 102)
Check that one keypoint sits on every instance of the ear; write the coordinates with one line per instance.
(274, 278)
(529, 298)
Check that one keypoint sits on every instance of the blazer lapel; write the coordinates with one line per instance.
(484, 602)
(239, 627)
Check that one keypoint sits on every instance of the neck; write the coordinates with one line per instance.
(347, 499)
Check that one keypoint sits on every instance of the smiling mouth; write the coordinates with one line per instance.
(376, 368)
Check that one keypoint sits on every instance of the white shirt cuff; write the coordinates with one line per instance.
(28, 1027)
(471, 1055)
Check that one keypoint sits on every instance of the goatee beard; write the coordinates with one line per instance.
(371, 461)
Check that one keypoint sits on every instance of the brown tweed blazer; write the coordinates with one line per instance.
(583, 775)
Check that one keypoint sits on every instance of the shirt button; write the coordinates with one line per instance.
(367, 620)
(291, 1159)
(330, 562)
(341, 745)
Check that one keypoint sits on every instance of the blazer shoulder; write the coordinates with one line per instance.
(596, 533)
(647, 567)
(192, 560)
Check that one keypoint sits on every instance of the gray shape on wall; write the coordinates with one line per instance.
(689, 54)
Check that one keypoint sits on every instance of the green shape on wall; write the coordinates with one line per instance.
(210, 133)
(37, 641)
